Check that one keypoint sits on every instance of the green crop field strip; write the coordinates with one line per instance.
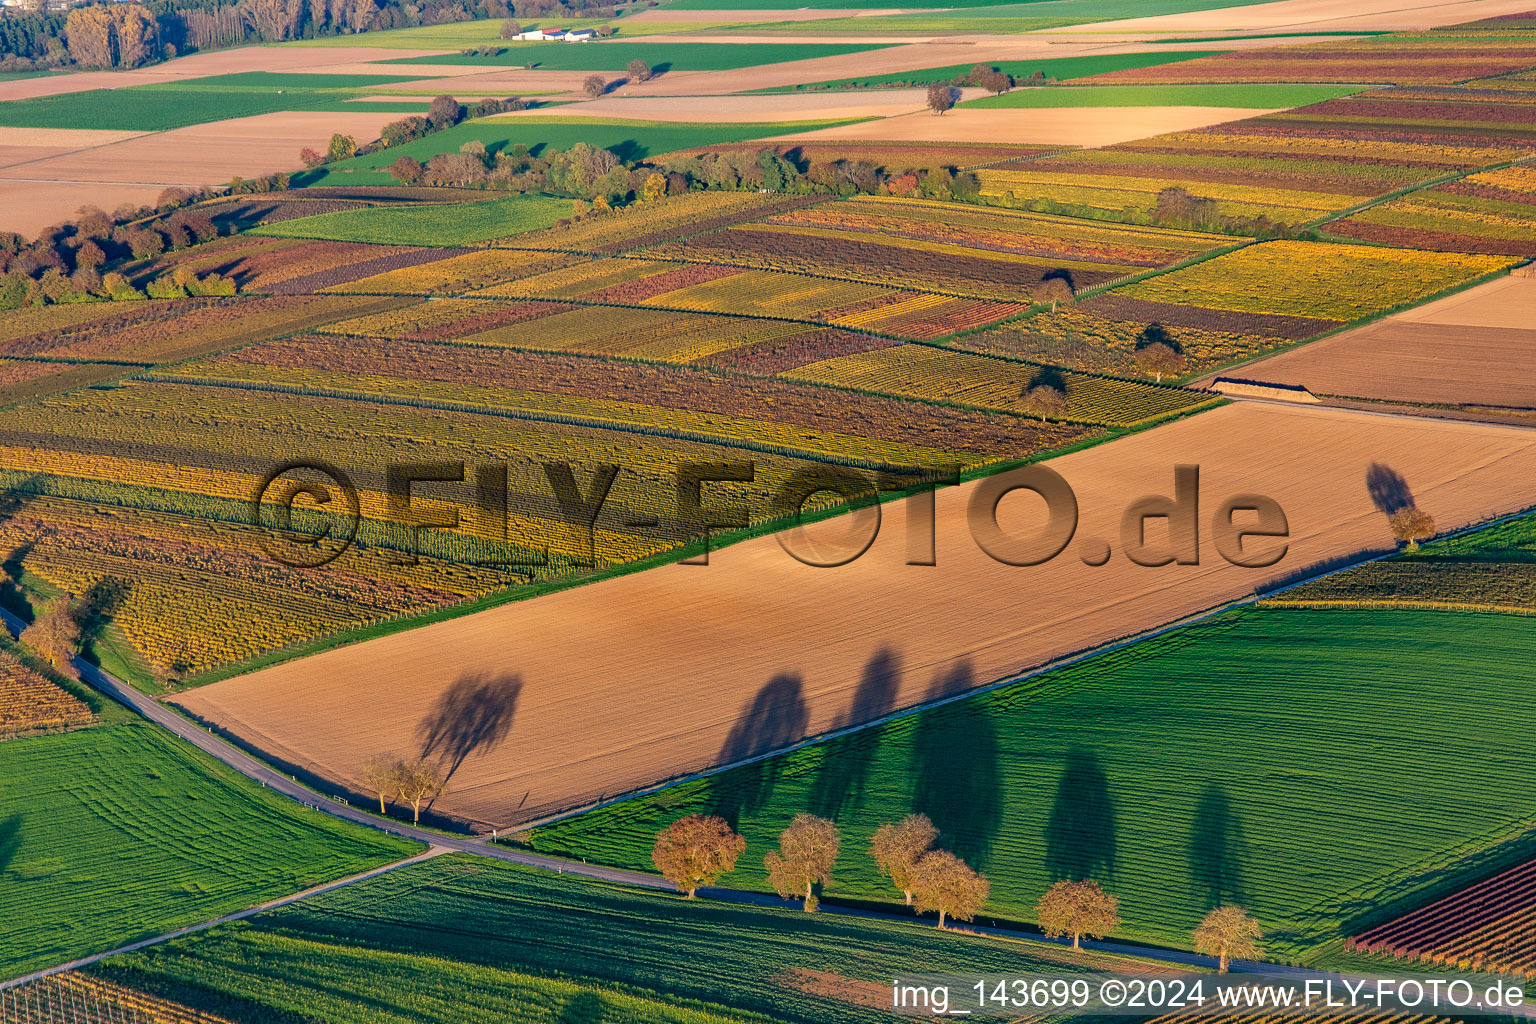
(1062, 68)
(160, 107)
(1174, 776)
(663, 57)
(450, 940)
(1259, 96)
(147, 108)
(446, 224)
(119, 832)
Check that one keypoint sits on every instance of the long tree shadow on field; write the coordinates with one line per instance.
(472, 716)
(582, 1008)
(776, 717)
(841, 777)
(1389, 491)
(955, 774)
(12, 500)
(10, 840)
(1216, 849)
(1080, 833)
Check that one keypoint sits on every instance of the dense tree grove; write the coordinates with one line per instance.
(73, 261)
(586, 172)
(132, 34)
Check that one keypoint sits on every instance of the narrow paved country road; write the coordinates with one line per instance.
(440, 843)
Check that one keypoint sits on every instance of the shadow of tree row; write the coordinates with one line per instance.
(956, 779)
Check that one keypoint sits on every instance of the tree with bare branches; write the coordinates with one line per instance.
(946, 884)
(941, 97)
(638, 70)
(805, 855)
(1077, 909)
(898, 847)
(1229, 931)
(594, 85)
(695, 851)
(416, 782)
(381, 774)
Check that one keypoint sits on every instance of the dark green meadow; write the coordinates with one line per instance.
(470, 940)
(120, 831)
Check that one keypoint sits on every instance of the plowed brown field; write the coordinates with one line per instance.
(644, 677)
(1475, 348)
(1062, 126)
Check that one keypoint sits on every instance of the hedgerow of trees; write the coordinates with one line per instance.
(73, 261)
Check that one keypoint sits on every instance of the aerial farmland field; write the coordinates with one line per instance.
(749, 512)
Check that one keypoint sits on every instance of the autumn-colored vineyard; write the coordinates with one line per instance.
(29, 702)
(1490, 926)
(794, 329)
(76, 998)
(1495, 46)
(922, 371)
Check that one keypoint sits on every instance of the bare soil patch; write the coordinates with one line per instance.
(1476, 348)
(1065, 126)
(28, 207)
(209, 153)
(639, 678)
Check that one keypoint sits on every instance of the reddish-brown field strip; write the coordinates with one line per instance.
(1476, 348)
(640, 678)
(1485, 926)
(1430, 364)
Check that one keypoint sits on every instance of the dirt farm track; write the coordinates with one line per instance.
(644, 677)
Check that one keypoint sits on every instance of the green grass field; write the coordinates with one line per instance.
(159, 107)
(1253, 96)
(444, 224)
(471, 941)
(1312, 766)
(1511, 542)
(119, 832)
(1062, 68)
(662, 57)
(629, 140)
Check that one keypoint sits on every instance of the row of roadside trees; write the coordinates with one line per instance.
(696, 851)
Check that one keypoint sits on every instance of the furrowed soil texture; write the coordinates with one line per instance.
(120, 832)
(756, 650)
(1475, 348)
(1174, 774)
